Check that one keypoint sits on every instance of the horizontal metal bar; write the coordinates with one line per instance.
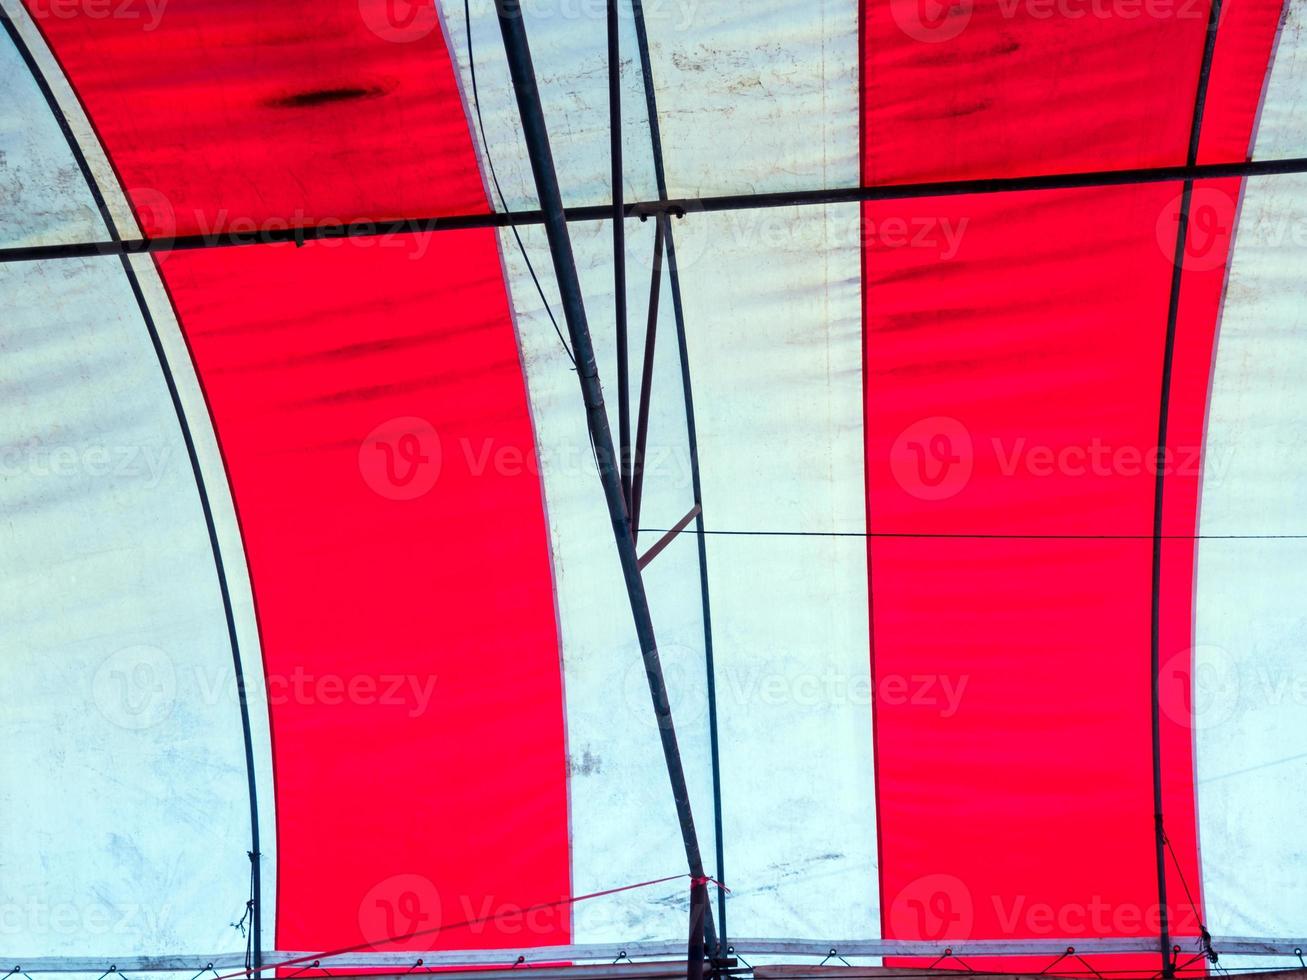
(371, 960)
(656, 548)
(796, 971)
(1234, 946)
(1226, 946)
(664, 970)
(676, 207)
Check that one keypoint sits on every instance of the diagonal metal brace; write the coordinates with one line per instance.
(536, 135)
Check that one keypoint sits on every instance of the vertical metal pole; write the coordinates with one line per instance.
(674, 280)
(1163, 418)
(536, 136)
(619, 248)
(699, 915)
(709, 662)
(1159, 830)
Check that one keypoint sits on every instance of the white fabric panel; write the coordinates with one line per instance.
(1282, 122)
(773, 309)
(756, 97)
(773, 312)
(618, 786)
(97, 481)
(794, 703)
(43, 198)
(1250, 675)
(213, 473)
(569, 47)
(122, 766)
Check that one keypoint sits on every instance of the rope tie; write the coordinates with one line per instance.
(328, 953)
(706, 880)
(948, 952)
(1205, 937)
(248, 915)
(1089, 966)
(1070, 951)
(836, 954)
(730, 951)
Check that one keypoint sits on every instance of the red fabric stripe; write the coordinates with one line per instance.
(1013, 367)
(996, 88)
(243, 114)
(373, 418)
(1023, 806)
(1240, 65)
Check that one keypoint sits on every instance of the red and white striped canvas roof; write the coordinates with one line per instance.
(312, 629)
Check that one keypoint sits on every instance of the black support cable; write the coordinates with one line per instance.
(494, 178)
(278, 231)
(619, 253)
(989, 535)
(536, 136)
(1204, 936)
(1163, 420)
(692, 437)
(133, 282)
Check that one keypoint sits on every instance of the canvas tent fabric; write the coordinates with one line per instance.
(351, 481)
